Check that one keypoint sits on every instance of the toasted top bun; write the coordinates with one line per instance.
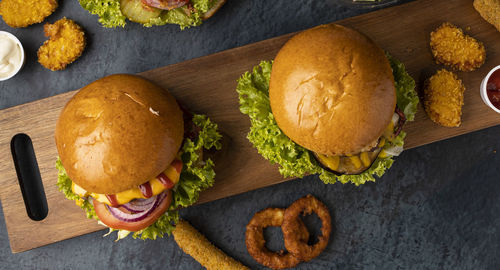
(214, 9)
(332, 90)
(117, 133)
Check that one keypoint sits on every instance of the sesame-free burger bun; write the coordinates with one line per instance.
(332, 90)
(214, 9)
(117, 133)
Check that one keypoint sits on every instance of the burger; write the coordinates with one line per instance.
(185, 13)
(130, 156)
(331, 103)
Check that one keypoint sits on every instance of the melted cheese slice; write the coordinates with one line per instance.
(173, 173)
(362, 160)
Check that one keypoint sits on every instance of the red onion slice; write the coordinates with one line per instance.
(143, 202)
(401, 121)
(139, 215)
(139, 205)
(165, 4)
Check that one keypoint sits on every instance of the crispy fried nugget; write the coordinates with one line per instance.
(444, 98)
(21, 13)
(66, 43)
(450, 46)
(195, 244)
(489, 10)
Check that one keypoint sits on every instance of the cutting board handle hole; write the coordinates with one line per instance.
(28, 175)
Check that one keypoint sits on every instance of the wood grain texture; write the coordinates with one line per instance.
(402, 30)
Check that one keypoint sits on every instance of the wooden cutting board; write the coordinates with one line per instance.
(207, 85)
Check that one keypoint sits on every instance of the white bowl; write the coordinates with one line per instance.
(484, 94)
(16, 40)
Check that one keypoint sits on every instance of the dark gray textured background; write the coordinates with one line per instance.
(437, 208)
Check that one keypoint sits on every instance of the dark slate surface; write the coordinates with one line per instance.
(437, 208)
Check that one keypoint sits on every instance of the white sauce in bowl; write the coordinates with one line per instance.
(11, 56)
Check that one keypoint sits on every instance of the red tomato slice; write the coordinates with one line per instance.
(107, 218)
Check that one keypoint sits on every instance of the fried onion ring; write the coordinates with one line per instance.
(256, 244)
(292, 223)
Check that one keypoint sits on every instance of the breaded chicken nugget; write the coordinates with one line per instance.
(66, 43)
(444, 98)
(489, 10)
(195, 244)
(21, 13)
(450, 46)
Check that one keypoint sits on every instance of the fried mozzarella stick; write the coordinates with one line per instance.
(197, 246)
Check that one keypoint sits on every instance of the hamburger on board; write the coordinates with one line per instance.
(331, 103)
(130, 156)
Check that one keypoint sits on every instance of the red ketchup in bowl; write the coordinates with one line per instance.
(493, 88)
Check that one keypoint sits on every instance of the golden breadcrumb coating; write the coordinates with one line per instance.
(489, 10)
(450, 46)
(195, 244)
(66, 43)
(444, 98)
(21, 13)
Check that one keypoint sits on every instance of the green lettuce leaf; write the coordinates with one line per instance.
(197, 175)
(293, 159)
(407, 97)
(108, 11)
(164, 225)
(64, 184)
(110, 14)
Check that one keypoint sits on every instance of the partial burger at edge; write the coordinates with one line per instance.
(185, 13)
